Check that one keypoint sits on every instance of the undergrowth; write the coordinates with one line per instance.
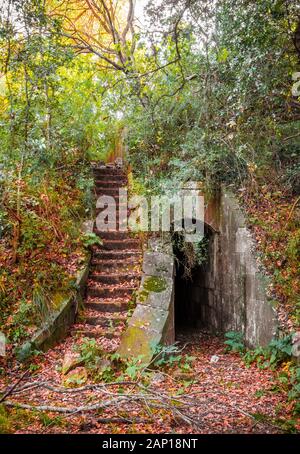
(277, 356)
(114, 368)
(41, 246)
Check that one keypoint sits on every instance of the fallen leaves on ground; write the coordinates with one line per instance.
(223, 396)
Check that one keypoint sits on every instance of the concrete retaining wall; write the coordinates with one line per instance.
(152, 322)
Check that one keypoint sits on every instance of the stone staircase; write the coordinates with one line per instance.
(115, 271)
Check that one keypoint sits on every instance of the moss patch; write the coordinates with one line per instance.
(14, 419)
(143, 295)
(138, 342)
(155, 284)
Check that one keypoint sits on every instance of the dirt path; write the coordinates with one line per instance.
(224, 397)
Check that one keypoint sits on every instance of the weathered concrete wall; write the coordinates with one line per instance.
(244, 284)
(152, 322)
(231, 291)
(205, 287)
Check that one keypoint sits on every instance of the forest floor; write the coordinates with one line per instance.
(220, 394)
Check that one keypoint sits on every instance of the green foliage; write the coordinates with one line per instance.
(220, 115)
(14, 419)
(5, 423)
(279, 350)
(201, 251)
(293, 246)
(168, 356)
(49, 421)
(134, 367)
(234, 342)
(255, 356)
(90, 352)
(190, 255)
(276, 356)
(91, 239)
(293, 382)
(52, 121)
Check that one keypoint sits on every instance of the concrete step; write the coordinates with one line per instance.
(111, 181)
(114, 235)
(132, 279)
(95, 333)
(116, 255)
(106, 321)
(118, 181)
(121, 225)
(109, 172)
(114, 266)
(115, 195)
(107, 305)
(108, 190)
(94, 289)
(121, 245)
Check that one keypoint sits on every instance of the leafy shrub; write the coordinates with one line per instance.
(5, 423)
(278, 353)
(91, 239)
(294, 388)
(90, 352)
(190, 255)
(279, 350)
(234, 342)
(170, 356)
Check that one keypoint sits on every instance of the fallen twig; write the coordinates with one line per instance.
(11, 390)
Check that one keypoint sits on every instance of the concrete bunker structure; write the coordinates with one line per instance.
(228, 293)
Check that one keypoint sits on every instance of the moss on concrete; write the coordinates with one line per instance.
(143, 295)
(155, 284)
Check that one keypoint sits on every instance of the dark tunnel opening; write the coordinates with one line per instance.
(194, 283)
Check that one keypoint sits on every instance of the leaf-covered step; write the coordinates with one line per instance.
(114, 181)
(118, 278)
(121, 245)
(128, 265)
(117, 255)
(95, 333)
(108, 173)
(113, 234)
(108, 292)
(115, 319)
(107, 305)
(104, 190)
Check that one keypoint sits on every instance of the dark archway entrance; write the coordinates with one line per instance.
(195, 292)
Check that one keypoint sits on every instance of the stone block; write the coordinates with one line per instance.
(158, 264)
(139, 342)
(149, 318)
